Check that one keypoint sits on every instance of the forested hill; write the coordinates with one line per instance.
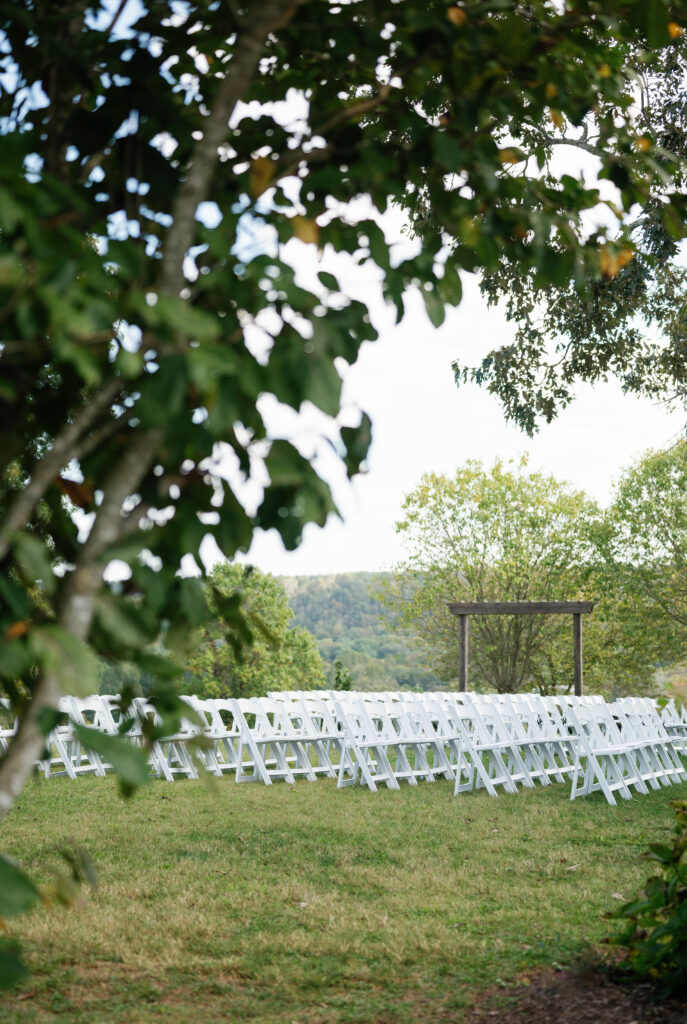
(350, 625)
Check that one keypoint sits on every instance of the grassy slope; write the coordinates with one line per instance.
(314, 904)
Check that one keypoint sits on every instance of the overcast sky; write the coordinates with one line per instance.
(422, 422)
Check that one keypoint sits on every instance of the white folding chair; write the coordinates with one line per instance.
(640, 724)
(606, 762)
(491, 756)
(675, 723)
(261, 756)
(169, 754)
(364, 755)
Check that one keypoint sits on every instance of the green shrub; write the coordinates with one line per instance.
(654, 936)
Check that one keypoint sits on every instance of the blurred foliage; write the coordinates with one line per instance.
(653, 937)
(645, 541)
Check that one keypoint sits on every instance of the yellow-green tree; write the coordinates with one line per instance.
(510, 534)
(645, 543)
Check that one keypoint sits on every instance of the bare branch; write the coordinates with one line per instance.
(356, 110)
(551, 140)
(116, 16)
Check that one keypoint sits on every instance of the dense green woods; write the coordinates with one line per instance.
(350, 623)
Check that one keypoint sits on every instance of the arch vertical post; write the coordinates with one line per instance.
(463, 653)
(577, 650)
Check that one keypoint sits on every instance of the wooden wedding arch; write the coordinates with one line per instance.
(463, 609)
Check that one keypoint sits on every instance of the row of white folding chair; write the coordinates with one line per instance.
(67, 755)
(473, 739)
(629, 744)
(216, 737)
(500, 746)
(497, 748)
(281, 740)
(262, 739)
(496, 751)
(639, 722)
(531, 738)
(549, 749)
(477, 740)
(617, 754)
(389, 741)
(675, 722)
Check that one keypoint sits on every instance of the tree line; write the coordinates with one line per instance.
(511, 534)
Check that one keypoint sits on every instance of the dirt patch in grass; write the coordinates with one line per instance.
(572, 996)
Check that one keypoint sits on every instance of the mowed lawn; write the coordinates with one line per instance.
(308, 903)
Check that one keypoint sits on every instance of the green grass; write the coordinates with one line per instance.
(311, 904)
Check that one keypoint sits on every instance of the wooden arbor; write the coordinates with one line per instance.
(464, 608)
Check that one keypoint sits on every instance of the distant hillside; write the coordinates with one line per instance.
(349, 624)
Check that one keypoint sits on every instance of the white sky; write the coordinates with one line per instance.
(422, 423)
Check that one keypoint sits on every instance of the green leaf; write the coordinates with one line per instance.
(657, 33)
(34, 560)
(17, 892)
(69, 659)
(234, 532)
(195, 324)
(48, 719)
(328, 280)
(128, 761)
(15, 597)
(15, 659)
(162, 393)
(157, 665)
(450, 287)
(434, 306)
(129, 364)
(661, 852)
(322, 384)
(120, 622)
(12, 969)
(207, 363)
(357, 441)
(192, 600)
(296, 495)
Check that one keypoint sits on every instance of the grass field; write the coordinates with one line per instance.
(308, 903)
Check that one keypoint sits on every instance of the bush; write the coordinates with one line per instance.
(654, 936)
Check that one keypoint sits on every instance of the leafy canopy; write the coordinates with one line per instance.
(646, 541)
(629, 320)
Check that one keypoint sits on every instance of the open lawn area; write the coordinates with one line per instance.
(308, 903)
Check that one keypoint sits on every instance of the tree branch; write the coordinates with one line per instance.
(290, 162)
(45, 471)
(76, 608)
(248, 49)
